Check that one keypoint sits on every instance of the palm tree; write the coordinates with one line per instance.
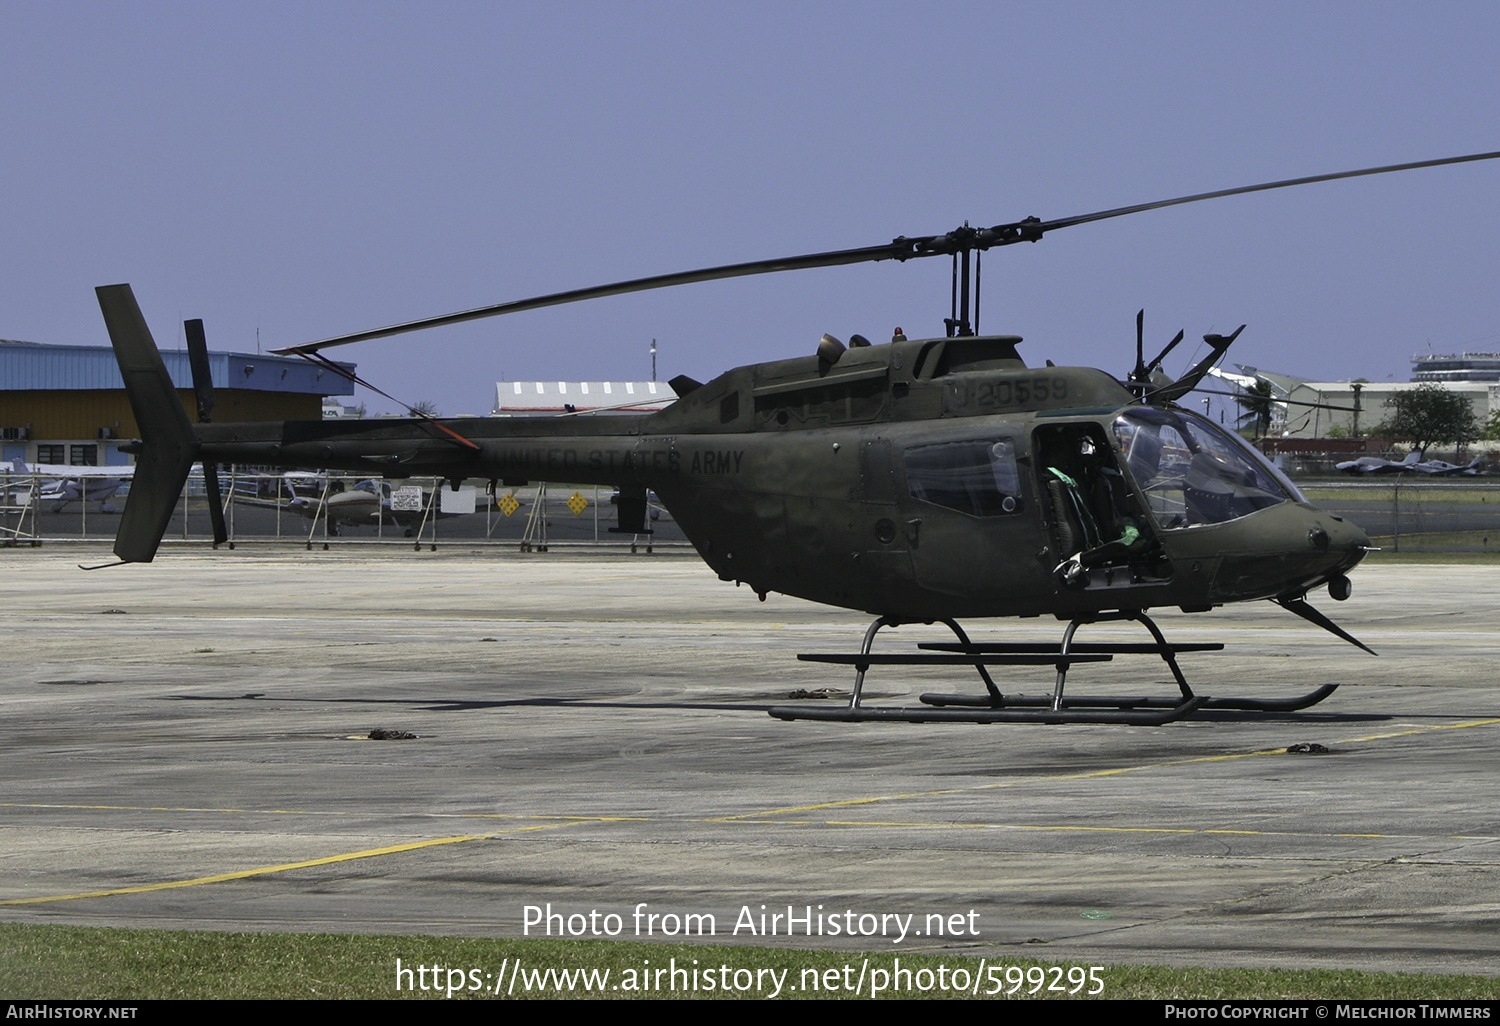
(1257, 402)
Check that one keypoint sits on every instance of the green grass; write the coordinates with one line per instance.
(70, 963)
(1325, 495)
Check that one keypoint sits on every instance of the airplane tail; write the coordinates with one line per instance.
(168, 445)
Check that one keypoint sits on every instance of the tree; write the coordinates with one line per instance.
(1491, 430)
(1257, 402)
(425, 408)
(1430, 415)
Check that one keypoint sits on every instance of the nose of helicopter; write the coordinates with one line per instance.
(1336, 545)
(1286, 550)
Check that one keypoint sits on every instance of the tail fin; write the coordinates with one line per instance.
(168, 445)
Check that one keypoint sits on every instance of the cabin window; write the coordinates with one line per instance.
(978, 477)
(836, 403)
(729, 408)
(1193, 473)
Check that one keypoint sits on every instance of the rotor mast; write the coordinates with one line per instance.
(966, 242)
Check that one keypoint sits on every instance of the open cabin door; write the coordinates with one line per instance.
(1102, 535)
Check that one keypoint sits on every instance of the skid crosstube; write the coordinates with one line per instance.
(994, 707)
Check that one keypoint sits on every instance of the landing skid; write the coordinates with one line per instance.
(994, 707)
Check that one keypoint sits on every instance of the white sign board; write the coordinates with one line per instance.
(461, 501)
(406, 499)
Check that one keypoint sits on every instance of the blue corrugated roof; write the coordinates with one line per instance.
(32, 366)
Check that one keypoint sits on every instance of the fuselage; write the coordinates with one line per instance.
(917, 480)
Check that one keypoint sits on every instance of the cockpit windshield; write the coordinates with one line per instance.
(1194, 473)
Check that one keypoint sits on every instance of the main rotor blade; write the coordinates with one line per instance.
(1068, 222)
(960, 239)
(1280, 402)
(900, 249)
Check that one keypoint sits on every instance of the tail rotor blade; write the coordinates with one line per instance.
(203, 391)
(215, 502)
(1218, 345)
(1165, 352)
(1139, 374)
(203, 384)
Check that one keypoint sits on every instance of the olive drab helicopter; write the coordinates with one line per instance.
(919, 480)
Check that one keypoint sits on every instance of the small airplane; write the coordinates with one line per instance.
(364, 505)
(359, 506)
(1413, 463)
(921, 480)
(59, 484)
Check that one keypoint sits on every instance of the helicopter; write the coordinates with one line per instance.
(923, 480)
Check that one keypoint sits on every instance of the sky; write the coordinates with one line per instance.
(292, 171)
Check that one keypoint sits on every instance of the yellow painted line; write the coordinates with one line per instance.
(892, 823)
(328, 813)
(1022, 826)
(908, 824)
(243, 874)
(117, 808)
(1002, 784)
(831, 805)
(1095, 774)
(1422, 730)
(565, 819)
(762, 817)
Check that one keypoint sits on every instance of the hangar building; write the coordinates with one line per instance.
(549, 398)
(67, 404)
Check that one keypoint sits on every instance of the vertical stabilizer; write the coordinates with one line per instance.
(168, 445)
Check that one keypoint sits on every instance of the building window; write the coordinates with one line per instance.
(51, 453)
(83, 455)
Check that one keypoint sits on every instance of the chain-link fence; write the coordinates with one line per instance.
(1414, 513)
(1406, 512)
(330, 509)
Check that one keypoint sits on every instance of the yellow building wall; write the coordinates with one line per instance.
(80, 415)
